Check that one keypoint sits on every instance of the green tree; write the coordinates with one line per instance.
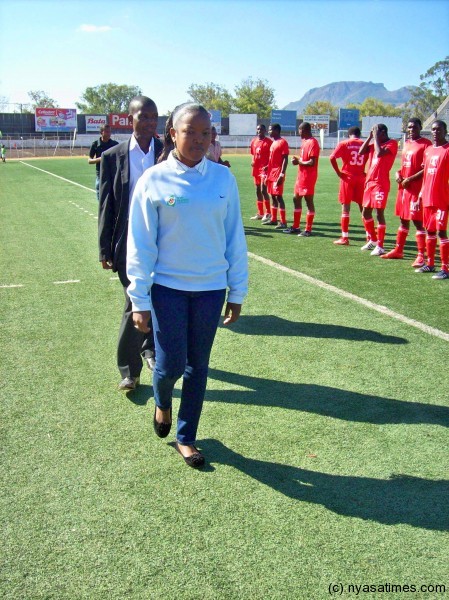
(433, 89)
(321, 107)
(255, 96)
(372, 107)
(40, 99)
(212, 96)
(107, 98)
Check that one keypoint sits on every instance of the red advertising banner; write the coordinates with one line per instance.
(55, 119)
(120, 121)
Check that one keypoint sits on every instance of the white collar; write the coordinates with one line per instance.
(180, 167)
(133, 144)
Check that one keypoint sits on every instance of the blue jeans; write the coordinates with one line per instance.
(184, 326)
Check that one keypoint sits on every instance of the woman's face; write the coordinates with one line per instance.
(192, 137)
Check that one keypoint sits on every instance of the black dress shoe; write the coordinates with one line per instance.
(196, 460)
(161, 429)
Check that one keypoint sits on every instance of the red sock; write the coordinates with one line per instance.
(344, 221)
(421, 241)
(370, 229)
(274, 213)
(309, 220)
(267, 207)
(401, 238)
(381, 229)
(282, 215)
(297, 217)
(431, 244)
(260, 207)
(444, 254)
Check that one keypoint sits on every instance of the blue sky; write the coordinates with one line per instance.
(164, 46)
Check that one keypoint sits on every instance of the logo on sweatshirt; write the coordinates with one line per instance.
(172, 200)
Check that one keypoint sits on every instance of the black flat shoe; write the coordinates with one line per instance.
(161, 429)
(196, 460)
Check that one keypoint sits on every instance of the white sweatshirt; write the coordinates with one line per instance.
(186, 232)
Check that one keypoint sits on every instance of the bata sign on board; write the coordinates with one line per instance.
(119, 121)
(55, 119)
(94, 122)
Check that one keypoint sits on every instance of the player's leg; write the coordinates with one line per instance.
(401, 238)
(344, 224)
(368, 223)
(297, 212)
(259, 200)
(442, 220)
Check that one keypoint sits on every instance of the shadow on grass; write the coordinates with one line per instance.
(326, 401)
(140, 395)
(273, 325)
(399, 499)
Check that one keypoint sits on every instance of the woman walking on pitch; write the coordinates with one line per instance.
(186, 247)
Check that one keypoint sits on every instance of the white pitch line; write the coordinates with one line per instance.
(58, 176)
(12, 285)
(335, 290)
(68, 281)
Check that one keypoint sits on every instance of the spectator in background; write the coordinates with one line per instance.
(352, 178)
(121, 167)
(214, 151)
(97, 149)
(260, 151)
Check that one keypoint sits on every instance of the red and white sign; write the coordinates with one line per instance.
(318, 123)
(120, 121)
(94, 122)
(55, 119)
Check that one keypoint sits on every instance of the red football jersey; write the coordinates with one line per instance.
(411, 162)
(278, 149)
(260, 149)
(380, 166)
(307, 176)
(348, 151)
(435, 187)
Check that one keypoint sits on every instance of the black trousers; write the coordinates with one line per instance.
(132, 344)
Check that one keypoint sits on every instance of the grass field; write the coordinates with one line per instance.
(324, 426)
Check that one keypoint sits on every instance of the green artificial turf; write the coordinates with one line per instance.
(324, 426)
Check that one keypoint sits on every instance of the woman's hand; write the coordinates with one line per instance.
(140, 320)
(232, 313)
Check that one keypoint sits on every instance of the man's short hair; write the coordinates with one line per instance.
(354, 131)
(276, 126)
(382, 127)
(415, 121)
(305, 125)
(104, 126)
(139, 102)
(441, 123)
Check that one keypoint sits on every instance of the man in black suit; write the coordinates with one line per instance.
(120, 168)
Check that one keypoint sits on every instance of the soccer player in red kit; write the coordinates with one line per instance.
(260, 150)
(307, 162)
(382, 151)
(277, 165)
(408, 203)
(435, 199)
(352, 178)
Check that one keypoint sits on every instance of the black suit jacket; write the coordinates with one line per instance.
(114, 205)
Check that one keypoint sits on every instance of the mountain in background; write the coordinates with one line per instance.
(342, 93)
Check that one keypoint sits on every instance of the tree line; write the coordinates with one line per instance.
(256, 96)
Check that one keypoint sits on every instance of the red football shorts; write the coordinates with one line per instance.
(275, 190)
(351, 190)
(435, 219)
(408, 206)
(374, 196)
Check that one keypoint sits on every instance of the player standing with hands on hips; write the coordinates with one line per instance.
(186, 247)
